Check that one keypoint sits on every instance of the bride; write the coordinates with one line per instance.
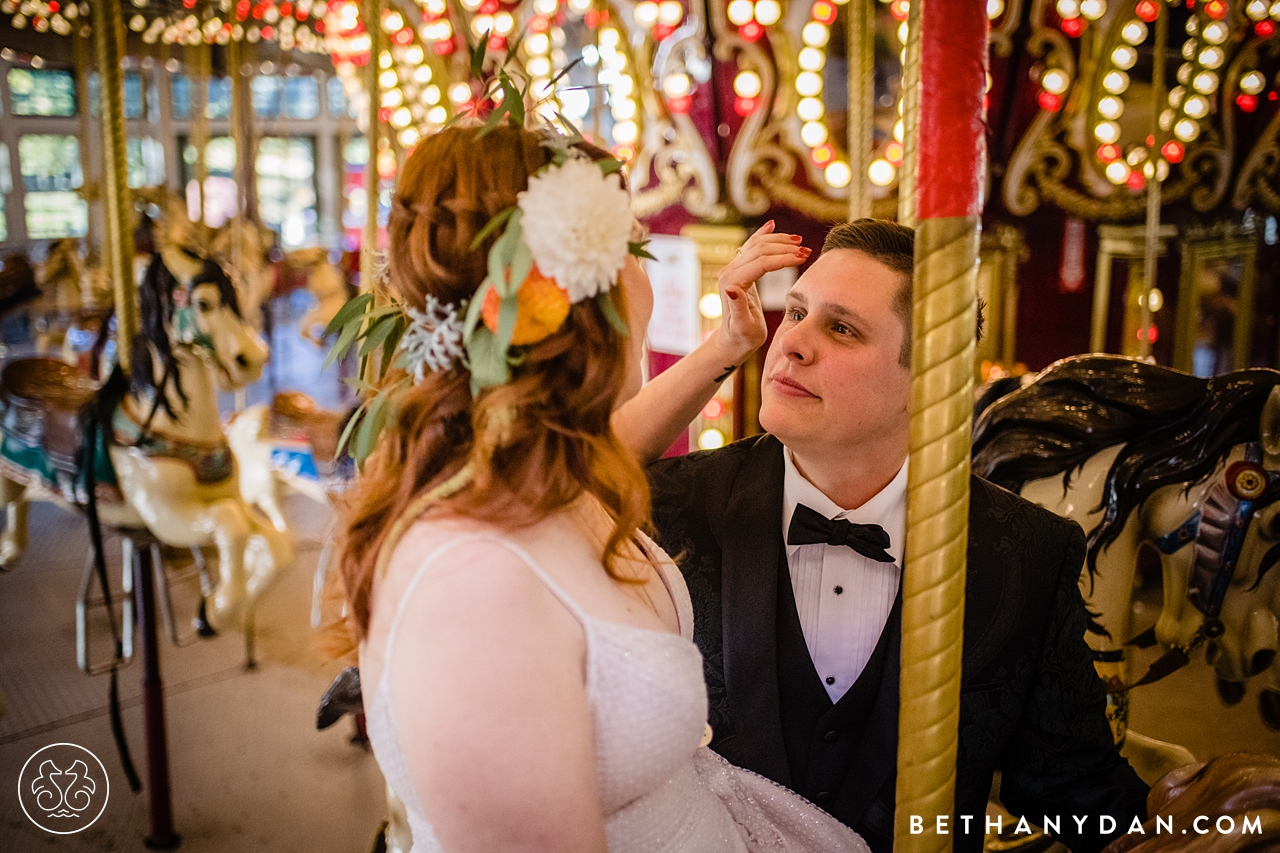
(531, 683)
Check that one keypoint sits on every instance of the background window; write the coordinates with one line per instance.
(217, 104)
(301, 97)
(42, 92)
(354, 205)
(265, 92)
(180, 95)
(219, 187)
(287, 97)
(145, 159)
(339, 105)
(287, 189)
(6, 187)
(50, 168)
(133, 95)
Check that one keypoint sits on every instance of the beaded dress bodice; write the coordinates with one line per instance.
(659, 790)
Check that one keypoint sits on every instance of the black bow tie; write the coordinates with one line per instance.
(809, 527)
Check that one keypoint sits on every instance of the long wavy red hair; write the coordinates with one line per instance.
(560, 444)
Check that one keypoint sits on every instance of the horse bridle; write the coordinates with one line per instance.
(1246, 487)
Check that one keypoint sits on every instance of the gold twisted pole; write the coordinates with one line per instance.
(198, 85)
(1153, 182)
(371, 11)
(910, 118)
(108, 24)
(862, 103)
(951, 158)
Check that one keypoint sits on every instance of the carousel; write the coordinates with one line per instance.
(194, 198)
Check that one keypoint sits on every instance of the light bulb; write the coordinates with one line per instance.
(1115, 82)
(1206, 82)
(1093, 9)
(811, 59)
(815, 34)
(1212, 57)
(808, 83)
(1186, 129)
(747, 84)
(1106, 132)
(1055, 80)
(1197, 106)
(768, 12)
(838, 174)
(1253, 83)
(813, 133)
(1215, 32)
(1134, 32)
(881, 172)
(1124, 57)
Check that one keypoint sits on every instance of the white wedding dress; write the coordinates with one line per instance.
(660, 791)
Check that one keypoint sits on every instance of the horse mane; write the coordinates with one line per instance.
(155, 298)
(1175, 428)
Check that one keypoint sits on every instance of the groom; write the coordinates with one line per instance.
(798, 609)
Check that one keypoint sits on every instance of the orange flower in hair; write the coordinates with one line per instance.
(542, 309)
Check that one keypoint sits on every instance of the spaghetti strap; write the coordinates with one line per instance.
(440, 550)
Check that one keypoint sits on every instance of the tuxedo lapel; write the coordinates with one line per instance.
(751, 543)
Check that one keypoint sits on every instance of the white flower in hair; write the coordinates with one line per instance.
(577, 222)
(433, 340)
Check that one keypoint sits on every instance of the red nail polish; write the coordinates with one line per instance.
(796, 238)
(732, 295)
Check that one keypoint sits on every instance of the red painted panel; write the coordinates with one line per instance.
(953, 73)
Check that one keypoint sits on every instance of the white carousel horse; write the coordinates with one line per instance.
(244, 246)
(1142, 455)
(174, 469)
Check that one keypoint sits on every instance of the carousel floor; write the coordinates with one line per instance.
(249, 769)
(250, 772)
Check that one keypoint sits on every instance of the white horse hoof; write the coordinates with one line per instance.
(10, 553)
(226, 611)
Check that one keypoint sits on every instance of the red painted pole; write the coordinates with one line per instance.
(951, 173)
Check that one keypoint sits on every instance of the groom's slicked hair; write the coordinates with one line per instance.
(894, 246)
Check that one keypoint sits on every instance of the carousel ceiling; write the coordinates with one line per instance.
(734, 106)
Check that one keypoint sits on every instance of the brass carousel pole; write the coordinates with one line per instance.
(118, 255)
(951, 159)
(910, 118)
(198, 89)
(371, 11)
(83, 52)
(862, 95)
(108, 25)
(1152, 246)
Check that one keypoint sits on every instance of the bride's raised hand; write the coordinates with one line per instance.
(742, 328)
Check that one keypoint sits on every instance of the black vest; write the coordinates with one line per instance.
(822, 738)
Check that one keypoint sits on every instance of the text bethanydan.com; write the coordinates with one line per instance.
(1164, 825)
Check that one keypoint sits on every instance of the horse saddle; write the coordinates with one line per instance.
(42, 400)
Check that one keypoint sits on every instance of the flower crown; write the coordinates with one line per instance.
(563, 242)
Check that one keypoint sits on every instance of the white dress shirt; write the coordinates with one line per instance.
(843, 598)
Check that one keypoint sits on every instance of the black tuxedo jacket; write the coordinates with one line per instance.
(1031, 704)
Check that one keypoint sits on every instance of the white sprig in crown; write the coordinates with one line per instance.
(433, 340)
